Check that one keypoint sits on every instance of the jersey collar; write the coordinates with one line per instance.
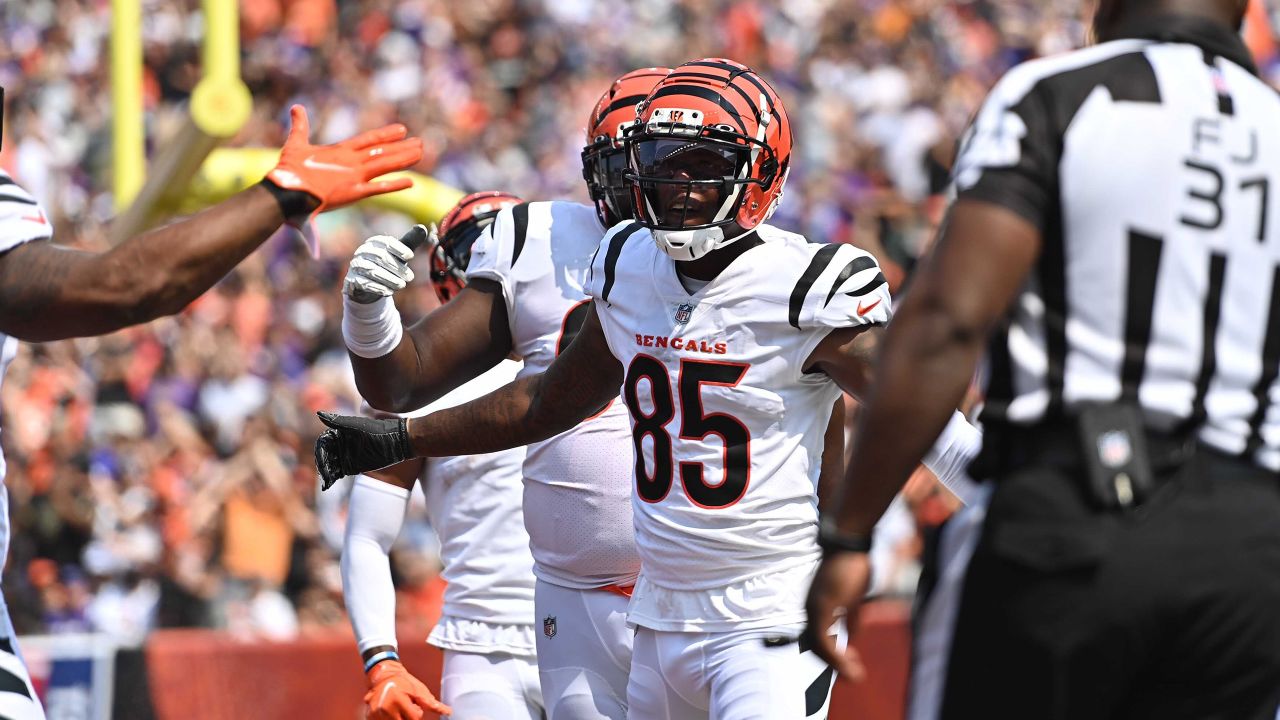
(1212, 37)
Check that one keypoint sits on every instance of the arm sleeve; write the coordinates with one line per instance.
(1011, 153)
(374, 519)
(951, 454)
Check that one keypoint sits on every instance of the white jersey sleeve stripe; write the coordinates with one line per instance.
(21, 217)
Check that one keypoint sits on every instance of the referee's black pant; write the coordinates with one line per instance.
(1168, 611)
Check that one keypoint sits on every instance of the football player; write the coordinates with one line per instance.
(730, 339)
(49, 292)
(526, 294)
(487, 627)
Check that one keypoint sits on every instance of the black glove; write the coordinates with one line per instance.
(353, 445)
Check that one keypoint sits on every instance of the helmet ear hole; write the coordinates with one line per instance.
(768, 171)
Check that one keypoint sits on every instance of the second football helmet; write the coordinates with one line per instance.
(710, 125)
(603, 160)
(450, 243)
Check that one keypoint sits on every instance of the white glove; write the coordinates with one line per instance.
(379, 269)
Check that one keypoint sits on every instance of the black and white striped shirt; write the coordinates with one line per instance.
(1151, 164)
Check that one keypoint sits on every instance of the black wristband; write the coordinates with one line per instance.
(832, 540)
(295, 205)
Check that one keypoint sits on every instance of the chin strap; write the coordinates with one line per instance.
(693, 244)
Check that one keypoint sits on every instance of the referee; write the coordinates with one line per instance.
(1115, 245)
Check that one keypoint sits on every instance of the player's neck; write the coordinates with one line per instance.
(709, 266)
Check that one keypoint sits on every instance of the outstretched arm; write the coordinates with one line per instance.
(52, 293)
(582, 380)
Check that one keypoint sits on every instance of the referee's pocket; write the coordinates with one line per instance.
(1039, 520)
(1053, 548)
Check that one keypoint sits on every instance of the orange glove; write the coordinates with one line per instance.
(394, 694)
(337, 175)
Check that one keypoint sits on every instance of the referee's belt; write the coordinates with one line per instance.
(1057, 443)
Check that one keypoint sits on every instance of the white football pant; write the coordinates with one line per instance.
(584, 652)
(762, 674)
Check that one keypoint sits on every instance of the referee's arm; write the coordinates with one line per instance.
(929, 355)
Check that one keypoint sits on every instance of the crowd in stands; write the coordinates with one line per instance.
(163, 476)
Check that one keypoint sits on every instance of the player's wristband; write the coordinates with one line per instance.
(295, 205)
(371, 330)
(376, 658)
(832, 540)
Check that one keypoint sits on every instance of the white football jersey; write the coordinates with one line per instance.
(473, 502)
(21, 221)
(728, 428)
(577, 497)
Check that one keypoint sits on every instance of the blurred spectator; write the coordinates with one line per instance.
(163, 476)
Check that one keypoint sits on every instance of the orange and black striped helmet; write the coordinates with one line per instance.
(450, 243)
(602, 157)
(734, 124)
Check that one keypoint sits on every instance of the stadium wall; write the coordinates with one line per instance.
(213, 675)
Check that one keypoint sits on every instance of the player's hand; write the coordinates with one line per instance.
(838, 589)
(353, 445)
(394, 694)
(380, 267)
(340, 174)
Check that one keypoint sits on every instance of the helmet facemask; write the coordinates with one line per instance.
(450, 255)
(603, 165)
(688, 183)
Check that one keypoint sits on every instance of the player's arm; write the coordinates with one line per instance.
(451, 345)
(929, 356)
(375, 516)
(584, 378)
(51, 293)
(931, 350)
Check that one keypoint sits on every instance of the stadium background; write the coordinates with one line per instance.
(162, 477)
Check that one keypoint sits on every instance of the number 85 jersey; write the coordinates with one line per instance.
(727, 427)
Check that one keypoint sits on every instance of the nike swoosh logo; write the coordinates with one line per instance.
(385, 689)
(37, 218)
(862, 311)
(317, 165)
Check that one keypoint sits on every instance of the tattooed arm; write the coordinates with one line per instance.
(584, 378)
(51, 293)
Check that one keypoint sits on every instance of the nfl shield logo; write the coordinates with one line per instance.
(1115, 449)
(683, 313)
(549, 626)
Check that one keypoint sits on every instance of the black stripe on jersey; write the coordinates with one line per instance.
(1209, 353)
(1053, 288)
(706, 94)
(1226, 104)
(815, 696)
(871, 285)
(1140, 302)
(1000, 389)
(519, 216)
(11, 683)
(15, 199)
(854, 267)
(6, 180)
(817, 265)
(611, 257)
(1270, 369)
